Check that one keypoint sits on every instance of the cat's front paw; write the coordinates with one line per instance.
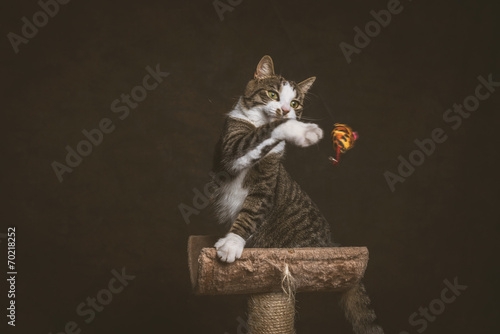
(311, 135)
(300, 134)
(230, 247)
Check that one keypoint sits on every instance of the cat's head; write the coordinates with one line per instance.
(273, 96)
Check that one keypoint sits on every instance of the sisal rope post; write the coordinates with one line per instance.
(271, 313)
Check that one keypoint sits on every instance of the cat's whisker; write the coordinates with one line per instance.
(312, 119)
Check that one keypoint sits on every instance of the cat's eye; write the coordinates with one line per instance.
(273, 95)
(294, 104)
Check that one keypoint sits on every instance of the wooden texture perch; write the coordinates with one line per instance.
(261, 269)
(267, 274)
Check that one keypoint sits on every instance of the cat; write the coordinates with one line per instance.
(260, 202)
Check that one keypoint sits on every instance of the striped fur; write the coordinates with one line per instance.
(260, 202)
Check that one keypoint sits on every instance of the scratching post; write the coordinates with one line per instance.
(271, 313)
(271, 276)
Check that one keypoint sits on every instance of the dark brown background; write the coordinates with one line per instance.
(119, 208)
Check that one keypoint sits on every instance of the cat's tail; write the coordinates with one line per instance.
(356, 305)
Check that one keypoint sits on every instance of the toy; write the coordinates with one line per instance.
(343, 139)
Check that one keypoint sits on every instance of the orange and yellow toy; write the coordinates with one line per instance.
(343, 139)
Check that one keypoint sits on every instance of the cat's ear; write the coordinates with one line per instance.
(306, 84)
(265, 68)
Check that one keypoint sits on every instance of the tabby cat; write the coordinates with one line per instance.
(261, 203)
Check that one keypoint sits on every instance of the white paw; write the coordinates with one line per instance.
(312, 135)
(298, 133)
(230, 247)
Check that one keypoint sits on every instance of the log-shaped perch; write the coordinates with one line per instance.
(261, 269)
(260, 272)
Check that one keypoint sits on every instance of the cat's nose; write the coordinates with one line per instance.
(285, 110)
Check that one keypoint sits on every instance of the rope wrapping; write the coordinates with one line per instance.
(273, 313)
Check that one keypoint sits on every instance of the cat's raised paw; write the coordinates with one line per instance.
(230, 247)
(312, 134)
(298, 133)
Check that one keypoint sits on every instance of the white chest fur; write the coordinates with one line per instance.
(233, 195)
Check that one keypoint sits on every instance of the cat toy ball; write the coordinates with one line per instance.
(343, 139)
